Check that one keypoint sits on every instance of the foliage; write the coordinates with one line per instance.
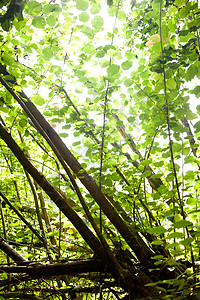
(14, 9)
(118, 81)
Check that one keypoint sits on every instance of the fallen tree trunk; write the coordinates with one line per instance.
(135, 283)
(38, 270)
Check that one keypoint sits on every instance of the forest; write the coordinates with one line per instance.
(99, 149)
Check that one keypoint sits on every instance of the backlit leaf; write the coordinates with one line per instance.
(51, 21)
(146, 174)
(47, 54)
(84, 17)
(82, 4)
(48, 8)
(96, 8)
(113, 69)
(33, 8)
(121, 15)
(97, 23)
(39, 22)
(127, 65)
(171, 83)
(37, 99)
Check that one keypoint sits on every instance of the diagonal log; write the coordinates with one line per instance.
(12, 253)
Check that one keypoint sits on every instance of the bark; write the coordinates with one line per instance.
(12, 253)
(19, 295)
(37, 270)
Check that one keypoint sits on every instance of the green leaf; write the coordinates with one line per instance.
(183, 12)
(89, 48)
(113, 69)
(196, 91)
(127, 65)
(182, 223)
(198, 109)
(48, 8)
(76, 143)
(157, 242)
(97, 23)
(176, 147)
(112, 11)
(134, 156)
(33, 8)
(192, 201)
(6, 25)
(100, 54)
(87, 31)
(197, 126)
(146, 174)
(47, 54)
(173, 11)
(189, 175)
(156, 230)
(178, 2)
(120, 123)
(96, 8)
(66, 126)
(5, 109)
(191, 72)
(82, 4)
(145, 162)
(187, 241)
(84, 17)
(22, 123)
(37, 99)
(39, 22)
(159, 163)
(173, 65)
(151, 284)
(8, 59)
(51, 21)
(129, 55)
(189, 159)
(175, 235)
(109, 2)
(63, 135)
(121, 16)
(190, 115)
(128, 82)
(171, 84)
(56, 70)
(183, 32)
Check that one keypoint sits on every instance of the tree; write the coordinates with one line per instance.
(99, 150)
